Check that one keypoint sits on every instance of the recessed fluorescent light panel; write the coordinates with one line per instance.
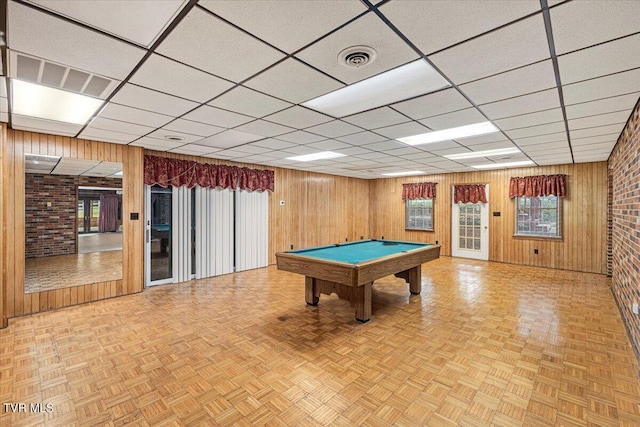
(403, 173)
(487, 153)
(30, 99)
(504, 165)
(413, 79)
(452, 133)
(323, 155)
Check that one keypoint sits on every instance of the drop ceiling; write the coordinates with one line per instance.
(228, 79)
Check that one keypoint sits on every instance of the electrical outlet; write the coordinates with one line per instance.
(635, 308)
(535, 251)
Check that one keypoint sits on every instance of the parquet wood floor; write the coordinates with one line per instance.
(484, 344)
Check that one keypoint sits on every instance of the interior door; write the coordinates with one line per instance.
(470, 229)
(158, 235)
(88, 214)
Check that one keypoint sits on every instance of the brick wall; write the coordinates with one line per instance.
(624, 166)
(51, 230)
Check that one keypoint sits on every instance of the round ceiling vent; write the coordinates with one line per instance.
(173, 138)
(357, 56)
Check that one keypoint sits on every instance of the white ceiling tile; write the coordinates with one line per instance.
(533, 119)
(264, 128)
(373, 156)
(588, 158)
(334, 129)
(443, 24)
(119, 126)
(293, 81)
(229, 154)
(384, 145)
(273, 144)
(168, 76)
(45, 36)
(257, 159)
(444, 101)
(597, 131)
(253, 149)
(217, 117)
(107, 135)
(156, 144)
(329, 144)
(533, 102)
(150, 100)
(193, 149)
(542, 147)
(246, 101)
(120, 18)
(579, 24)
(3, 85)
(298, 117)
(193, 128)
(549, 128)
(455, 119)
(577, 142)
(608, 58)
(4, 117)
(520, 81)
(301, 137)
(600, 120)
(404, 151)
(229, 138)
(299, 150)
(483, 139)
(601, 106)
(513, 46)
(302, 19)
(370, 31)
(170, 135)
(362, 138)
(603, 147)
(603, 87)
(207, 43)
(488, 146)
(351, 151)
(44, 126)
(402, 130)
(542, 139)
(380, 117)
(134, 115)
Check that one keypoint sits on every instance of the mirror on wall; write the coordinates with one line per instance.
(73, 222)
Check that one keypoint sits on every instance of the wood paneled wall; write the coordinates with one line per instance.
(318, 209)
(584, 216)
(16, 144)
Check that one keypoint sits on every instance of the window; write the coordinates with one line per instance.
(538, 216)
(419, 214)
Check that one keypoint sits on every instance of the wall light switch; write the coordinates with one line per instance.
(48, 204)
(635, 308)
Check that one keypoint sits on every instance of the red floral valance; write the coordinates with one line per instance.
(538, 185)
(472, 193)
(419, 190)
(164, 172)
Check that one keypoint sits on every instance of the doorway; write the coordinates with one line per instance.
(470, 229)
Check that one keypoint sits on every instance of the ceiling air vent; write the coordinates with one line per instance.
(357, 56)
(47, 73)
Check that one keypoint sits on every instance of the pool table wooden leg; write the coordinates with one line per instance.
(310, 294)
(415, 280)
(362, 296)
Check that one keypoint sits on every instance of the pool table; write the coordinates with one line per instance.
(161, 231)
(349, 269)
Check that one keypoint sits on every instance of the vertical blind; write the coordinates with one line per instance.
(252, 229)
(214, 232)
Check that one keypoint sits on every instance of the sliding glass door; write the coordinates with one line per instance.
(158, 221)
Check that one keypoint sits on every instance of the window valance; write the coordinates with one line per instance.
(470, 193)
(164, 172)
(419, 190)
(538, 185)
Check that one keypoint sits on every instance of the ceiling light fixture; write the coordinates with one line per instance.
(449, 134)
(323, 155)
(504, 165)
(403, 173)
(486, 153)
(409, 80)
(34, 100)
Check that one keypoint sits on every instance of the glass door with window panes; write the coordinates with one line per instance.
(470, 229)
